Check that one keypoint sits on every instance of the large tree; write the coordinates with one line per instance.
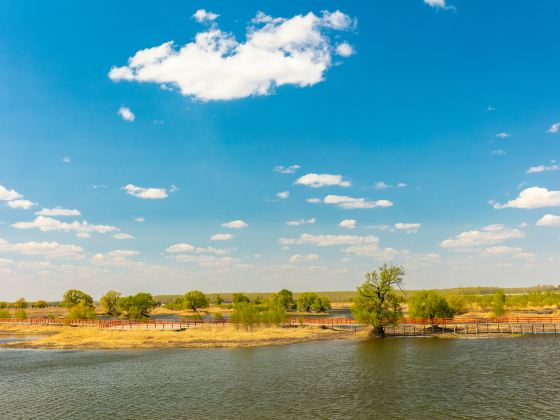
(75, 297)
(428, 304)
(196, 299)
(110, 301)
(137, 306)
(376, 303)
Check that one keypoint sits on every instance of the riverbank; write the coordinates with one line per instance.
(208, 336)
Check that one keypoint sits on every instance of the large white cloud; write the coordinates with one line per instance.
(491, 234)
(8, 195)
(322, 180)
(47, 224)
(549, 220)
(349, 203)
(215, 66)
(146, 193)
(43, 249)
(533, 198)
(58, 211)
(21, 204)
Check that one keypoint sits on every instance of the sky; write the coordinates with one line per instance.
(254, 146)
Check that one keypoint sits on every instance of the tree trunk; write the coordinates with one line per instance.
(378, 331)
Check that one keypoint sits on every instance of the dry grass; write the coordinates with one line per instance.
(201, 337)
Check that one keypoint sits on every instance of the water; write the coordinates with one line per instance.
(391, 378)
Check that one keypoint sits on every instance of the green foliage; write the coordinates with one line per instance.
(5, 313)
(286, 299)
(177, 305)
(81, 311)
(246, 314)
(240, 298)
(275, 314)
(428, 304)
(3, 305)
(218, 300)
(110, 302)
(309, 301)
(195, 299)
(498, 303)
(321, 304)
(376, 303)
(74, 297)
(20, 314)
(40, 304)
(457, 304)
(137, 306)
(21, 304)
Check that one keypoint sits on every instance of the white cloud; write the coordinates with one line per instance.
(221, 237)
(322, 180)
(283, 195)
(179, 248)
(8, 195)
(345, 202)
(503, 135)
(381, 185)
(215, 66)
(488, 235)
(553, 128)
(301, 222)
(235, 224)
(118, 257)
(549, 220)
(514, 252)
(533, 198)
(435, 3)
(58, 211)
(303, 258)
(139, 219)
(202, 16)
(499, 152)
(313, 200)
(408, 227)
(344, 49)
(122, 236)
(47, 224)
(21, 204)
(206, 260)
(543, 168)
(329, 240)
(43, 249)
(348, 223)
(182, 248)
(126, 114)
(146, 193)
(287, 169)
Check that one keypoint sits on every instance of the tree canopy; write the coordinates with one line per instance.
(110, 302)
(428, 304)
(195, 299)
(137, 306)
(75, 297)
(376, 303)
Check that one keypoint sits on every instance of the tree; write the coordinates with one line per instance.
(196, 299)
(498, 303)
(286, 298)
(20, 304)
(240, 298)
(428, 304)
(137, 306)
(321, 304)
(110, 302)
(457, 304)
(305, 301)
(219, 300)
(74, 297)
(3, 305)
(376, 303)
(274, 314)
(246, 314)
(81, 311)
(40, 304)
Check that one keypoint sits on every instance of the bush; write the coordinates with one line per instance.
(428, 304)
(498, 303)
(81, 311)
(3, 305)
(457, 304)
(4, 313)
(240, 298)
(21, 303)
(218, 301)
(245, 314)
(275, 314)
(20, 314)
(40, 304)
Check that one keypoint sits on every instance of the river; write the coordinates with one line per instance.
(391, 378)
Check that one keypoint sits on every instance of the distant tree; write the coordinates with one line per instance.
(457, 304)
(20, 314)
(376, 303)
(219, 300)
(321, 304)
(240, 298)
(74, 297)
(3, 305)
(195, 299)
(499, 303)
(305, 301)
(81, 311)
(137, 306)
(21, 304)
(286, 298)
(274, 314)
(246, 314)
(40, 304)
(428, 304)
(110, 302)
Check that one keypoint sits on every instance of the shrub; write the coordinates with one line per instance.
(240, 298)
(3, 305)
(21, 303)
(20, 314)
(4, 313)
(498, 303)
(81, 311)
(428, 304)
(457, 304)
(275, 314)
(245, 314)
(40, 304)
(218, 301)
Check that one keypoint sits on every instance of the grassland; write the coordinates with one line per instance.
(61, 337)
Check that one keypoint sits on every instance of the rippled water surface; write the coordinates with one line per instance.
(392, 378)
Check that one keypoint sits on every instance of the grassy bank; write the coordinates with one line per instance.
(55, 337)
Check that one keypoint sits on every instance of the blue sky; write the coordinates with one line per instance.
(428, 127)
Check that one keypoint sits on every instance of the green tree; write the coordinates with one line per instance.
(74, 297)
(4, 313)
(40, 304)
(137, 306)
(240, 298)
(305, 301)
(376, 303)
(274, 314)
(110, 302)
(286, 299)
(219, 300)
(3, 305)
(246, 314)
(321, 304)
(20, 304)
(428, 304)
(196, 299)
(457, 304)
(81, 311)
(499, 303)
(20, 314)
